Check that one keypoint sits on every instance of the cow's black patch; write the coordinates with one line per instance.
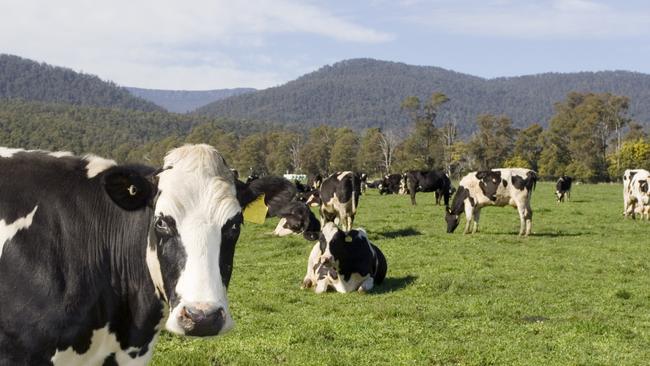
(504, 182)
(489, 182)
(524, 183)
(171, 254)
(643, 186)
(229, 236)
(110, 360)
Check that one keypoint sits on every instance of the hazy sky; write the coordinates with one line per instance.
(212, 44)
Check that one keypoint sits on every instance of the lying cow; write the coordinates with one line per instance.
(339, 197)
(628, 175)
(496, 187)
(346, 262)
(563, 188)
(95, 256)
(428, 181)
(638, 189)
(280, 197)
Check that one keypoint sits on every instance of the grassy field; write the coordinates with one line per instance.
(574, 293)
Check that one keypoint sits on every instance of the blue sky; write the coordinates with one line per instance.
(212, 44)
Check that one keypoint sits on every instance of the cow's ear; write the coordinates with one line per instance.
(128, 188)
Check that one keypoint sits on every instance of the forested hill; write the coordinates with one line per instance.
(364, 93)
(183, 101)
(29, 80)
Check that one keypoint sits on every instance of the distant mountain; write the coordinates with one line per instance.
(25, 79)
(364, 93)
(182, 101)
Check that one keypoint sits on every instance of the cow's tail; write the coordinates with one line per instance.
(532, 180)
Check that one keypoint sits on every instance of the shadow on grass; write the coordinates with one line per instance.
(391, 284)
(391, 234)
(547, 235)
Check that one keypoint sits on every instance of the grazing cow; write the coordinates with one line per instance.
(627, 189)
(496, 187)
(638, 189)
(428, 181)
(94, 256)
(392, 184)
(563, 188)
(339, 196)
(280, 197)
(345, 262)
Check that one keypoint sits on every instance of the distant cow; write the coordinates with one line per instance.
(627, 189)
(636, 193)
(363, 179)
(496, 187)
(375, 183)
(96, 258)
(563, 188)
(392, 184)
(280, 196)
(339, 196)
(428, 181)
(346, 262)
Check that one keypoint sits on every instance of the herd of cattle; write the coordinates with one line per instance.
(96, 257)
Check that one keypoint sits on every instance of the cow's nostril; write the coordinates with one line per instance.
(202, 321)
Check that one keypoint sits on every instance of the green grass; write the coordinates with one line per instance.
(574, 293)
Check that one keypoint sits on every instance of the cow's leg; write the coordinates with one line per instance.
(525, 218)
(477, 216)
(367, 285)
(469, 216)
(521, 209)
(311, 276)
(568, 195)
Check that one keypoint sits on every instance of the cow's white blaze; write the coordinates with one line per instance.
(8, 231)
(343, 174)
(97, 165)
(199, 194)
(102, 344)
(280, 230)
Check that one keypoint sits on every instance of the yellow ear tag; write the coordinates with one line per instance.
(255, 212)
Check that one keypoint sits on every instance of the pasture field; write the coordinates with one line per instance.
(577, 292)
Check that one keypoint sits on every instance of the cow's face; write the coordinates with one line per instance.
(332, 241)
(192, 239)
(489, 182)
(452, 221)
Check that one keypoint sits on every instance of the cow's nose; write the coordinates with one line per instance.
(202, 320)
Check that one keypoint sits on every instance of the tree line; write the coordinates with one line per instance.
(590, 137)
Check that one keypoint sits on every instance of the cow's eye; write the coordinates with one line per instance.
(161, 225)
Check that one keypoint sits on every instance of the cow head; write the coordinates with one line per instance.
(489, 182)
(299, 219)
(452, 221)
(191, 240)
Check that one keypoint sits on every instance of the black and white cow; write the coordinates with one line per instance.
(636, 193)
(428, 181)
(339, 197)
(563, 188)
(281, 199)
(94, 256)
(392, 184)
(375, 183)
(363, 181)
(496, 187)
(343, 261)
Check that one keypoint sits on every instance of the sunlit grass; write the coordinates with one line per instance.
(576, 292)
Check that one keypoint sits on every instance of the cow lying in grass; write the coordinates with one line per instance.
(343, 261)
(496, 187)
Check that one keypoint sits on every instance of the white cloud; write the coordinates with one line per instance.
(167, 43)
(547, 19)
